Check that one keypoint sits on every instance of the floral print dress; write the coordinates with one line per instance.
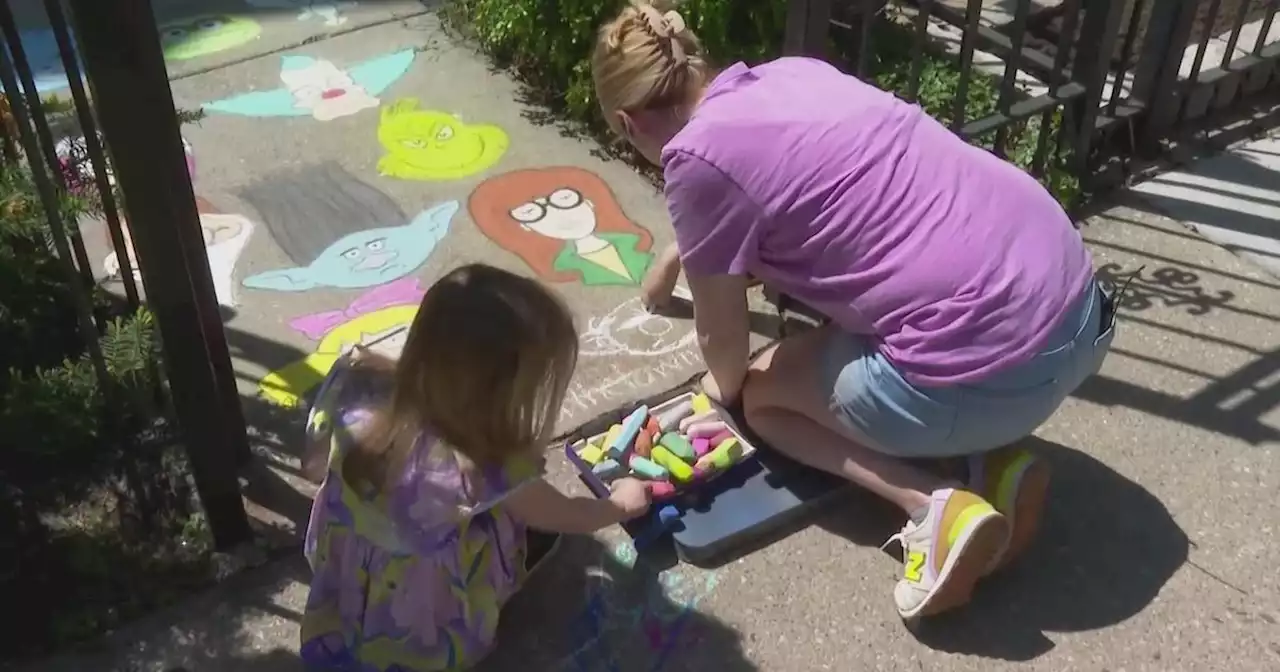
(411, 580)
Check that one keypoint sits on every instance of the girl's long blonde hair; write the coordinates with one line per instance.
(646, 58)
(484, 368)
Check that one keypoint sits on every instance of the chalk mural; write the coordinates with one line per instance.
(629, 329)
(432, 145)
(204, 35)
(41, 50)
(661, 616)
(328, 12)
(385, 311)
(565, 224)
(225, 237)
(316, 215)
(316, 87)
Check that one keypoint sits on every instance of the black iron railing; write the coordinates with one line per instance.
(1113, 77)
(131, 143)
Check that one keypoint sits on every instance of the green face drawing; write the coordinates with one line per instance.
(206, 35)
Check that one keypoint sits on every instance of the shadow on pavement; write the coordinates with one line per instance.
(1106, 548)
(587, 610)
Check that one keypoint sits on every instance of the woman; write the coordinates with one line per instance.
(963, 303)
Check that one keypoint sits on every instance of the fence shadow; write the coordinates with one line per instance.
(1079, 575)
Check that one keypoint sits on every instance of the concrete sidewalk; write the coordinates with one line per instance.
(327, 212)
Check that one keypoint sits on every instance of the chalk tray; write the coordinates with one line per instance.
(760, 496)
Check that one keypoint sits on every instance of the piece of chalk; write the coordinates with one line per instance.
(643, 444)
(607, 470)
(721, 437)
(724, 455)
(701, 403)
(591, 454)
(672, 463)
(652, 427)
(678, 445)
(610, 437)
(647, 468)
(701, 447)
(626, 437)
(671, 418)
(697, 418)
(660, 490)
(705, 429)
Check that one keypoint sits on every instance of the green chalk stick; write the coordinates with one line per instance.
(678, 445)
(647, 468)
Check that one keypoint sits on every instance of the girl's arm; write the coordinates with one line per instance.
(540, 505)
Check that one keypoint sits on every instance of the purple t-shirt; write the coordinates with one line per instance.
(865, 208)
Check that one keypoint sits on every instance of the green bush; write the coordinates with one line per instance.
(548, 44)
(94, 498)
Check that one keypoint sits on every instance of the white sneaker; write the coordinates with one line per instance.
(945, 555)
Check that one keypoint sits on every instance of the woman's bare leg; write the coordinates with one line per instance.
(784, 404)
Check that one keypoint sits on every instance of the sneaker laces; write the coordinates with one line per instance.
(901, 538)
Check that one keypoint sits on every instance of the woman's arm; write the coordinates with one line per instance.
(722, 320)
(540, 505)
(660, 281)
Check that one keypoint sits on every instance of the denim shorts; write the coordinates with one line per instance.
(892, 416)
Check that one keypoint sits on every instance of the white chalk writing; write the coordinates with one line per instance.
(621, 383)
(629, 329)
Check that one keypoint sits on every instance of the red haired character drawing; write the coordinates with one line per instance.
(565, 224)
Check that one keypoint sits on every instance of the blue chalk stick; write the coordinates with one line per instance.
(660, 525)
(607, 470)
(627, 437)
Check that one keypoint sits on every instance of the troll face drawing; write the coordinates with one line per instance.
(315, 216)
(431, 145)
(564, 223)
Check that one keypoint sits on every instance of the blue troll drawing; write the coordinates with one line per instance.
(318, 214)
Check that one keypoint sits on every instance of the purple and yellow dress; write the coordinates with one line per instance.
(410, 580)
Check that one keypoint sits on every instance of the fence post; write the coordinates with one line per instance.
(125, 66)
(1094, 49)
(1155, 80)
(808, 25)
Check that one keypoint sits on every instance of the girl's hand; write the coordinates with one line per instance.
(660, 281)
(631, 496)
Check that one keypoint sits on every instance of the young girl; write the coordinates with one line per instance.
(963, 302)
(420, 530)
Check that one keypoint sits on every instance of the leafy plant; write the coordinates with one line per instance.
(548, 44)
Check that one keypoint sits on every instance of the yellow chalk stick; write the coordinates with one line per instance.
(676, 466)
(612, 436)
(701, 404)
(591, 454)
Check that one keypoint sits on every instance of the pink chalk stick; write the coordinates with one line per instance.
(705, 430)
(702, 446)
(719, 438)
(661, 490)
(705, 416)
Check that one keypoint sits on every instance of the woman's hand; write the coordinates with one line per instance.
(660, 281)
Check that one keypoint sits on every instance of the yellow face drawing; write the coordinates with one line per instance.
(431, 145)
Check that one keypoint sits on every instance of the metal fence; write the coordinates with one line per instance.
(132, 152)
(1100, 82)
